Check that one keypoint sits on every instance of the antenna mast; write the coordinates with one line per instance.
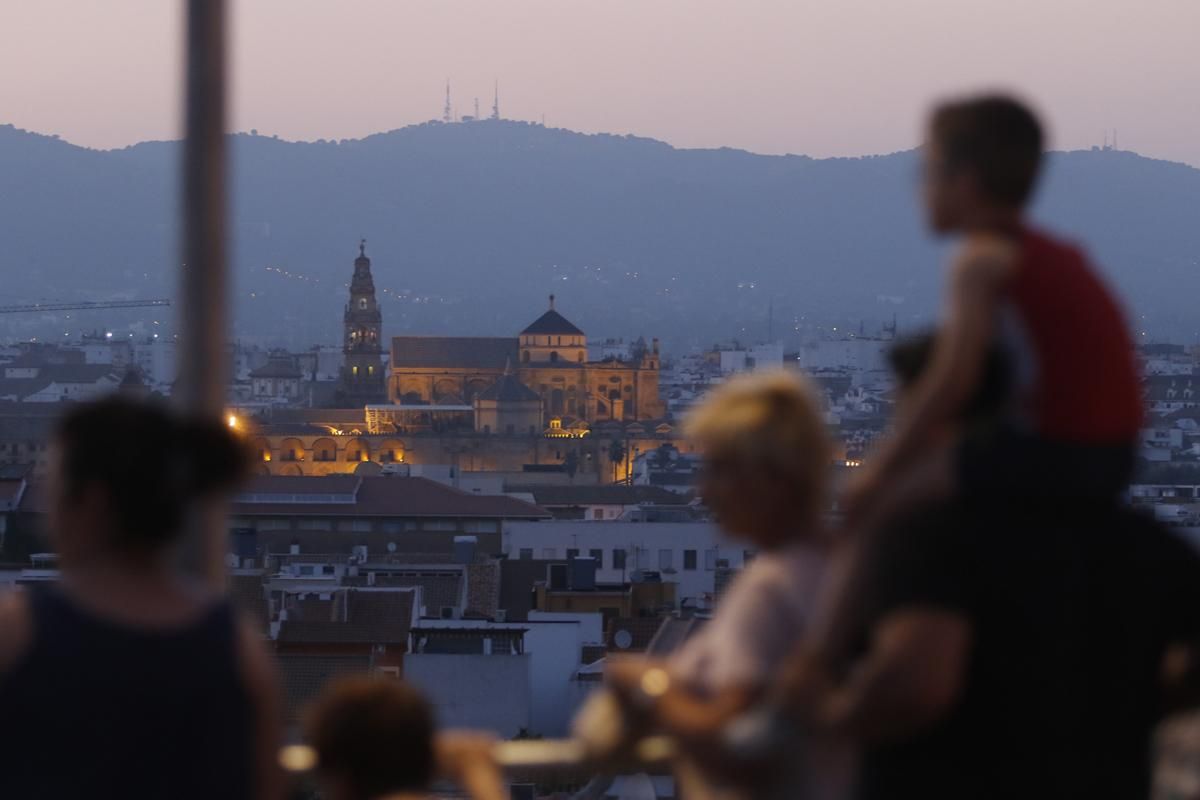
(447, 112)
(496, 103)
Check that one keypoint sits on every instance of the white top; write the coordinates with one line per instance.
(758, 624)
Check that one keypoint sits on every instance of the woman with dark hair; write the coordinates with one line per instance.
(128, 679)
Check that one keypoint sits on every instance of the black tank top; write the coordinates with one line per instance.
(98, 709)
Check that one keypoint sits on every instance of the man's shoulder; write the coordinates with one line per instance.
(1040, 246)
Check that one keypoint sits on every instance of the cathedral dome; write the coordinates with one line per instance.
(552, 323)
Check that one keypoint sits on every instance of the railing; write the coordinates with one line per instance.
(524, 753)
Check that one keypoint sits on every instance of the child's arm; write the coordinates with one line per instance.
(959, 351)
(466, 758)
(911, 676)
(676, 709)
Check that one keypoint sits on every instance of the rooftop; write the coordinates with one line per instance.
(464, 352)
(552, 322)
(385, 496)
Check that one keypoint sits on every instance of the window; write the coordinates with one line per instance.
(572, 552)
(526, 554)
(597, 513)
(393, 526)
(307, 569)
(310, 524)
(480, 526)
(439, 525)
(618, 558)
(598, 555)
(689, 560)
(664, 559)
(549, 553)
(710, 559)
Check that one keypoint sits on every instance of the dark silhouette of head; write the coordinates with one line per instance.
(373, 737)
(127, 471)
(909, 358)
(982, 158)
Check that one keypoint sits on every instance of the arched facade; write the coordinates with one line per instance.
(324, 449)
(291, 450)
(390, 451)
(357, 449)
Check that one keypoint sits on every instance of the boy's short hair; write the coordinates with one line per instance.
(374, 735)
(997, 137)
(770, 419)
(909, 358)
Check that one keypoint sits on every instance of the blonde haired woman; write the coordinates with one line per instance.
(767, 456)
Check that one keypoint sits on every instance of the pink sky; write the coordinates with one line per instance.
(840, 77)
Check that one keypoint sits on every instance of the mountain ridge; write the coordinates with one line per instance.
(471, 224)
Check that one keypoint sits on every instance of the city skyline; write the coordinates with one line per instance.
(815, 79)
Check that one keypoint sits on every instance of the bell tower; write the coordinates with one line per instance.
(362, 346)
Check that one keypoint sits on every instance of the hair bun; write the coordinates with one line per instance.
(214, 458)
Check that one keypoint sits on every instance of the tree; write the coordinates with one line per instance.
(616, 454)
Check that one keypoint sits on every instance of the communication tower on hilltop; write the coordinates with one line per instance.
(448, 111)
(496, 102)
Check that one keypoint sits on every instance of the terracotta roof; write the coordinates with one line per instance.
(305, 676)
(462, 352)
(614, 494)
(383, 496)
(339, 417)
(552, 322)
(301, 484)
(509, 389)
(438, 589)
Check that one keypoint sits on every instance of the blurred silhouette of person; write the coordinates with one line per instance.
(128, 679)
(376, 739)
(1076, 409)
(1025, 653)
(766, 459)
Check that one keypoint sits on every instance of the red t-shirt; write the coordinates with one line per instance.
(1076, 367)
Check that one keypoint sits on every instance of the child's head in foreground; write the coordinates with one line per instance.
(373, 738)
(767, 455)
(982, 158)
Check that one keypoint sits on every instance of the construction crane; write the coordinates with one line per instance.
(83, 306)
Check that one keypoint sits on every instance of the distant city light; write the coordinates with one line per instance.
(232, 421)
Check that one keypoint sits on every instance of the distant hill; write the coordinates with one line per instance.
(471, 225)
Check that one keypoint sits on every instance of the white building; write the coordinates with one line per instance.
(155, 357)
(749, 359)
(685, 553)
(855, 354)
(504, 676)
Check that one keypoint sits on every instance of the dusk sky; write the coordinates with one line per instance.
(824, 78)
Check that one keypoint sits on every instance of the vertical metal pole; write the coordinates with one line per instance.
(201, 387)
